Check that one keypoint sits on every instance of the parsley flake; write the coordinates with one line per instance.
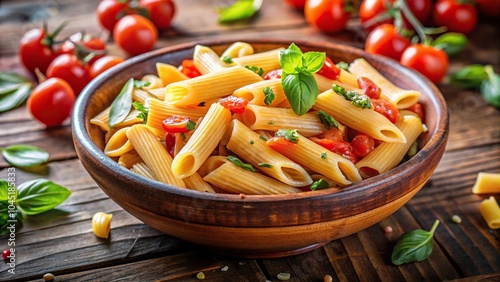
(323, 155)
(289, 134)
(269, 95)
(262, 137)
(251, 142)
(255, 69)
(319, 184)
(238, 162)
(143, 111)
(141, 84)
(327, 120)
(265, 165)
(227, 59)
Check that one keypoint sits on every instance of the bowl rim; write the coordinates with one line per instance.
(373, 184)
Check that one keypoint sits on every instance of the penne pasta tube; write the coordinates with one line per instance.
(211, 164)
(118, 144)
(210, 86)
(491, 212)
(157, 93)
(203, 141)
(143, 170)
(348, 78)
(154, 81)
(378, 160)
(268, 61)
(390, 92)
(236, 180)
(255, 95)
(159, 111)
(169, 74)
(363, 120)
(247, 145)
(129, 159)
(206, 60)
(238, 49)
(102, 119)
(196, 182)
(487, 183)
(154, 154)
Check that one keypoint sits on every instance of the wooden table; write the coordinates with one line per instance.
(61, 241)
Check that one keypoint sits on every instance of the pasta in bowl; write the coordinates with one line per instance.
(228, 155)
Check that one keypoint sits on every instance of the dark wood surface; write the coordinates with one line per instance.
(61, 241)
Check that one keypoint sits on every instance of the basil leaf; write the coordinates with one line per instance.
(122, 105)
(360, 101)
(289, 134)
(143, 111)
(469, 77)
(268, 95)
(490, 88)
(14, 99)
(40, 195)
(290, 60)
(343, 66)
(301, 90)
(413, 246)
(238, 162)
(319, 184)
(24, 155)
(239, 10)
(327, 120)
(4, 190)
(313, 61)
(452, 43)
(12, 78)
(294, 47)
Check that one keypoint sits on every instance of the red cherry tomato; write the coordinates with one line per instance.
(429, 61)
(103, 64)
(385, 40)
(279, 144)
(329, 70)
(331, 134)
(135, 34)
(457, 16)
(6, 253)
(273, 74)
(189, 69)
(110, 11)
(161, 12)
(37, 51)
(341, 148)
(370, 10)
(370, 89)
(71, 70)
(328, 15)
(170, 143)
(177, 124)
(489, 8)
(386, 109)
(297, 4)
(51, 101)
(234, 104)
(417, 108)
(362, 145)
(86, 45)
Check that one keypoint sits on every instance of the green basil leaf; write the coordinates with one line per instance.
(490, 88)
(122, 105)
(327, 120)
(238, 162)
(143, 111)
(12, 78)
(9, 88)
(452, 43)
(301, 91)
(239, 10)
(413, 246)
(343, 66)
(40, 195)
(294, 47)
(319, 184)
(290, 61)
(14, 99)
(289, 134)
(469, 77)
(4, 190)
(313, 61)
(268, 95)
(25, 155)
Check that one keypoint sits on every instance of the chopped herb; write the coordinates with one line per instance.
(319, 184)
(262, 137)
(289, 134)
(360, 101)
(343, 66)
(227, 59)
(323, 155)
(256, 70)
(190, 125)
(184, 137)
(265, 165)
(327, 120)
(143, 111)
(141, 84)
(271, 122)
(238, 162)
(251, 142)
(269, 95)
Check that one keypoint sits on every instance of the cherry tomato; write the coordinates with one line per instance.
(429, 61)
(170, 143)
(70, 69)
(51, 101)
(362, 145)
(84, 45)
(273, 74)
(387, 41)
(328, 15)
(189, 69)
(160, 12)
(331, 134)
(386, 109)
(370, 10)
(417, 108)
(103, 64)
(178, 124)
(297, 4)
(329, 70)
(341, 148)
(279, 144)
(36, 49)
(457, 16)
(135, 34)
(110, 11)
(489, 8)
(370, 89)
(234, 104)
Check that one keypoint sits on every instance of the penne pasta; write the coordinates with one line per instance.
(154, 81)
(491, 212)
(159, 111)
(129, 159)
(268, 61)
(255, 94)
(196, 182)
(169, 74)
(238, 49)
(143, 170)
(206, 60)
(118, 144)
(487, 183)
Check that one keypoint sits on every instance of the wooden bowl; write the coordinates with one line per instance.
(257, 226)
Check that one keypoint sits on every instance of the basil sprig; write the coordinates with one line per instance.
(360, 101)
(24, 155)
(122, 104)
(482, 77)
(413, 246)
(239, 10)
(143, 111)
(14, 90)
(297, 79)
(238, 162)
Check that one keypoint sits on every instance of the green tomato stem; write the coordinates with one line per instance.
(419, 28)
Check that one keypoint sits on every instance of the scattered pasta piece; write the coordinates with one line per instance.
(487, 183)
(491, 212)
(101, 223)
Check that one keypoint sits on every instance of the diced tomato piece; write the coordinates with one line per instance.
(362, 145)
(329, 70)
(279, 144)
(170, 143)
(417, 108)
(332, 134)
(178, 124)
(370, 89)
(189, 69)
(341, 148)
(234, 104)
(386, 108)
(273, 74)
